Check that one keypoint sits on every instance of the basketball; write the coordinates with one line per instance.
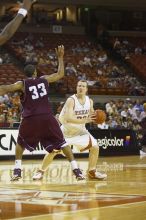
(100, 116)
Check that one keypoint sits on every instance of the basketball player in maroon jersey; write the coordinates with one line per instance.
(38, 123)
(13, 25)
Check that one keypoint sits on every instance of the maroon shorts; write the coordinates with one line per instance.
(41, 128)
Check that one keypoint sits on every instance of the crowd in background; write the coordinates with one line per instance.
(125, 114)
(125, 47)
(121, 114)
(83, 60)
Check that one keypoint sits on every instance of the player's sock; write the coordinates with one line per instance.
(18, 164)
(74, 164)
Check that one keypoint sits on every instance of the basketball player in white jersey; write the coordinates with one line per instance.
(77, 111)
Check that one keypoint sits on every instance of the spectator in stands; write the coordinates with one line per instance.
(87, 61)
(137, 128)
(51, 54)
(29, 47)
(113, 122)
(81, 76)
(143, 113)
(109, 109)
(125, 112)
(103, 57)
(70, 69)
(138, 105)
(131, 110)
(138, 50)
(136, 115)
(117, 44)
(4, 98)
(119, 105)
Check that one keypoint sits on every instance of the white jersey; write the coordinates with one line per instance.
(80, 111)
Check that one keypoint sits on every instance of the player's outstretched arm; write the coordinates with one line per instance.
(18, 86)
(60, 73)
(13, 25)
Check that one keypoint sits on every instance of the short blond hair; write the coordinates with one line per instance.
(83, 80)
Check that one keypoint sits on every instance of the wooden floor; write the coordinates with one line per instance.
(60, 197)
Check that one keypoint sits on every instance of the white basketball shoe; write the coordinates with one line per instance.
(38, 175)
(95, 175)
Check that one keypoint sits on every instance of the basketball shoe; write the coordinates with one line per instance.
(38, 175)
(78, 174)
(16, 174)
(95, 175)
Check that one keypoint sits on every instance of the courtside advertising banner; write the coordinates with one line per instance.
(116, 142)
(110, 142)
(8, 139)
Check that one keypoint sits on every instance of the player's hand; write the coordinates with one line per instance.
(91, 118)
(60, 51)
(27, 4)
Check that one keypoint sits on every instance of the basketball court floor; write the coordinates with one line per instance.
(60, 197)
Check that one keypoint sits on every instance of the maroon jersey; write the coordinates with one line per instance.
(35, 98)
(38, 123)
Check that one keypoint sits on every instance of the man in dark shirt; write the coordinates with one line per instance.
(38, 123)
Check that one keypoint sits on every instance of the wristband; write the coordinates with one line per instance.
(22, 11)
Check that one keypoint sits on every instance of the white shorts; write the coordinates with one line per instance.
(81, 142)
